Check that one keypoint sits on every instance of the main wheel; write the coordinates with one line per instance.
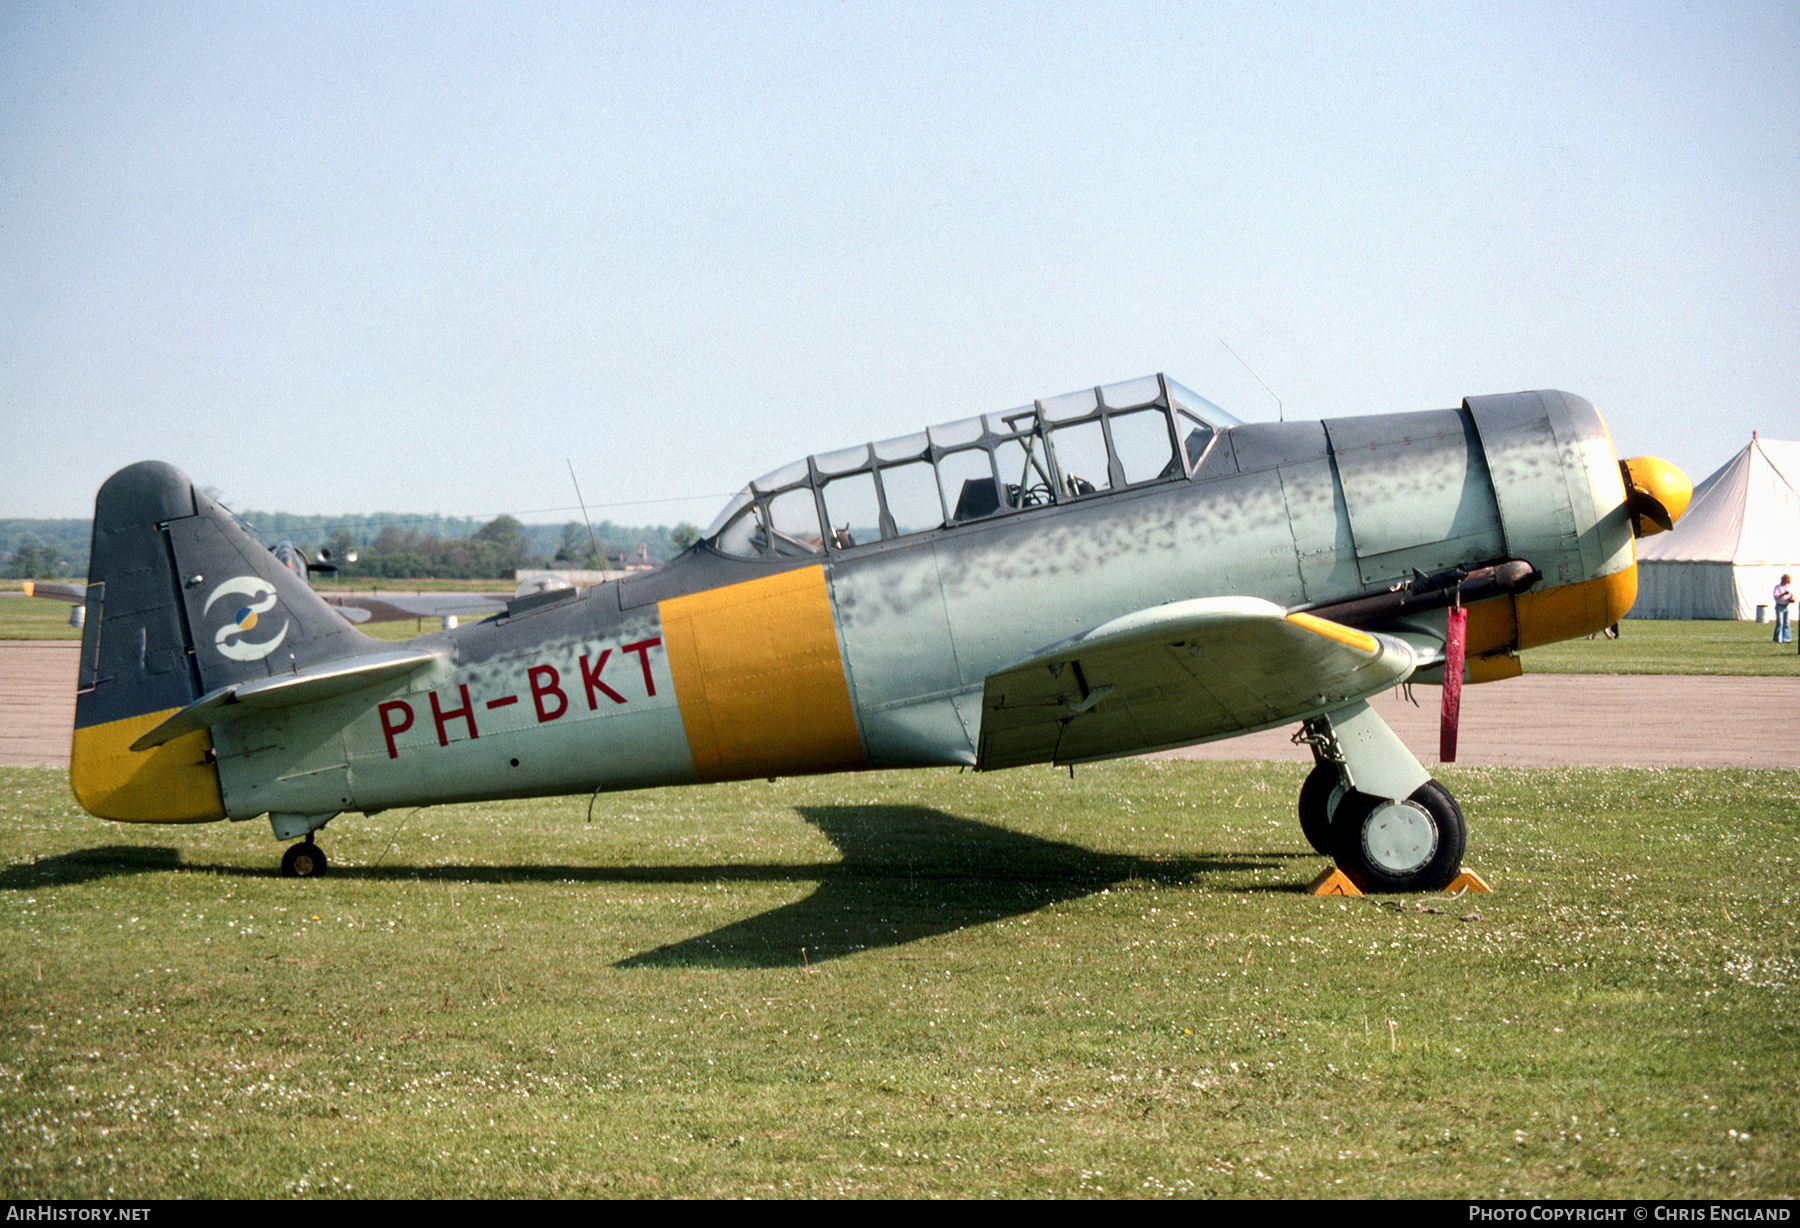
(303, 860)
(1411, 845)
(1320, 796)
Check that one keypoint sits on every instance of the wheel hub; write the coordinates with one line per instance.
(1399, 837)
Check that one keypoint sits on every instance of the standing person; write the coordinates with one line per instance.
(1784, 604)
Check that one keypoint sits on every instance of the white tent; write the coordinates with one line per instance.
(1740, 533)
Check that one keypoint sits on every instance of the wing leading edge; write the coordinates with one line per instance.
(1176, 674)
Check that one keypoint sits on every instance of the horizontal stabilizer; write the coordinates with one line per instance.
(1176, 674)
(326, 681)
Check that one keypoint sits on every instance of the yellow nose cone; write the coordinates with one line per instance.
(1656, 493)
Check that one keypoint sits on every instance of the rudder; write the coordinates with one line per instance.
(182, 600)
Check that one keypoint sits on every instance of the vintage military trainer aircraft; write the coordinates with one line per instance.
(1118, 570)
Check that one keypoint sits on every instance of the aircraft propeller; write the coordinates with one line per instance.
(1656, 493)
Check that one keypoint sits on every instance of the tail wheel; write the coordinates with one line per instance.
(1415, 844)
(303, 860)
(1320, 796)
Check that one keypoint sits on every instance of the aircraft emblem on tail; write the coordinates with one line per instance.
(245, 618)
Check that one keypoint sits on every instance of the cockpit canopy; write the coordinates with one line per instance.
(1059, 450)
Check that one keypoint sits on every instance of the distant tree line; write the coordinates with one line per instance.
(494, 551)
(44, 549)
(31, 562)
(501, 547)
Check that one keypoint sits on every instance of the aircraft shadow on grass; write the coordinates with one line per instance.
(907, 872)
(90, 865)
(911, 872)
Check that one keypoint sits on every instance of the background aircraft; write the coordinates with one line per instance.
(1113, 571)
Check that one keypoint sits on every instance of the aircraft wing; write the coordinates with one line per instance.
(55, 592)
(1176, 674)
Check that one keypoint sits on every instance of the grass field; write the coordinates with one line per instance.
(1656, 646)
(31, 618)
(920, 984)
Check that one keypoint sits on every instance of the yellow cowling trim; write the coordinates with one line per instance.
(172, 783)
(759, 678)
(1500, 626)
(1493, 627)
(1562, 613)
(1496, 668)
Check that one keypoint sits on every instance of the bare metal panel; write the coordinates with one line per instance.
(899, 660)
(1417, 492)
(1321, 528)
(1596, 489)
(1531, 487)
(1265, 445)
(1288, 466)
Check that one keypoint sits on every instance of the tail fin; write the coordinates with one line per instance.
(182, 600)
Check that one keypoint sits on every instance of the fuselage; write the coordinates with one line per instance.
(844, 611)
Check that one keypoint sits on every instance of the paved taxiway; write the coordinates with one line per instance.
(1542, 720)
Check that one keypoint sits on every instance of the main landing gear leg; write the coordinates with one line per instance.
(1370, 805)
(302, 860)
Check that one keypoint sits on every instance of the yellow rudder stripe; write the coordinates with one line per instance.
(176, 782)
(760, 680)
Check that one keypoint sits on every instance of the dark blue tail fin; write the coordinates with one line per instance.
(182, 600)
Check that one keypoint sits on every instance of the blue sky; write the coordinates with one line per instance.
(341, 258)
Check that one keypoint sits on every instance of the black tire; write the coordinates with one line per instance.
(303, 860)
(1319, 796)
(1411, 845)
